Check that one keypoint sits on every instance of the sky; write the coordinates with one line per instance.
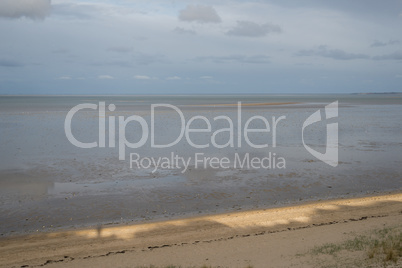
(200, 47)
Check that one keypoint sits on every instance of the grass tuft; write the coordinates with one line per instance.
(384, 245)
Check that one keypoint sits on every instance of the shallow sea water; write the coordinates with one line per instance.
(46, 183)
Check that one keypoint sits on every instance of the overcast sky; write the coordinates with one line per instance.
(200, 47)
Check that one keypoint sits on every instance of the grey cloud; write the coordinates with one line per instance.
(180, 30)
(142, 77)
(173, 78)
(199, 13)
(391, 56)
(10, 63)
(255, 59)
(33, 9)
(371, 8)
(377, 43)
(394, 42)
(65, 77)
(252, 29)
(336, 54)
(105, 76)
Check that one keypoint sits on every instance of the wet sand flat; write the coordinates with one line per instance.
(47, 184)
(230, 240)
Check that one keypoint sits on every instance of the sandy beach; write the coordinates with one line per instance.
(275, 237)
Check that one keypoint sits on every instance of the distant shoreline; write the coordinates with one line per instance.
(378, 93)
(244, 104)
(200, 95)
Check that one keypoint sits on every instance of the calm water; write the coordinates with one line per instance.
(47, 183)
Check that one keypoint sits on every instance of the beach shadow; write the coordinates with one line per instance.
(150, 236)
(272, 221)
(99, 230)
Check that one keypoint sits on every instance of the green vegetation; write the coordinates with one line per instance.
(358, 243)
(381, 247)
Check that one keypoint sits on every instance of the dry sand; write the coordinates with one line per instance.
(261, 238)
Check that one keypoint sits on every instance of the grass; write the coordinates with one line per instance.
(388, 246)
(382, 247)
(356, 244)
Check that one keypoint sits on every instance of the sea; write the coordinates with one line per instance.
(69, 162)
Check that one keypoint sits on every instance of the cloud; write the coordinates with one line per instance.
(173, 78)
(180, 30)
(105, 76)
(33, 9)
(372, 8)
(252, 29)
(256, 59)
(391, 56)
(66, 77)
(336, 54)
(206, 77)
(142, 77)
(398, 76)
(200, 14)
(377, 43)
(10, 63)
